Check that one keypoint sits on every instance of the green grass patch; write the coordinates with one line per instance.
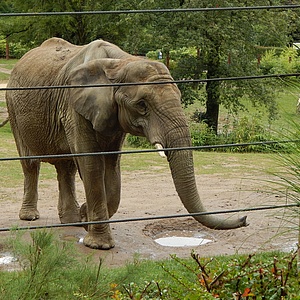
(8, 63)
(4, 76)
(2, 104)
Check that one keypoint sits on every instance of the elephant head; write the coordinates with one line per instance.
(153, 111)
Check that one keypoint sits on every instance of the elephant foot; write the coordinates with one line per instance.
(29, 214)
(102, 242)
(69, 218)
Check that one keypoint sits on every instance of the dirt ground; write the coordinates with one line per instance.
(146, 194)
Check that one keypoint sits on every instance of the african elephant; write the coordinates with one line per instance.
(77, 120)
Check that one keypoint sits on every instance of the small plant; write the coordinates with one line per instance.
(50, 271)
(286, 62)
(40, 262)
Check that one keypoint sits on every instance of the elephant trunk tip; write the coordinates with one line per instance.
(243, 221)
(221, 224)
(240, 222)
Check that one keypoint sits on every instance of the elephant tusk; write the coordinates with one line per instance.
(161, 153)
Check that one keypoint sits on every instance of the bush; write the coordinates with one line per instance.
(286, 62)
(50, 271)
(16, 50)
(137, 141)
(2, 47)
(268, 276)
(202, 135)
(243, 131)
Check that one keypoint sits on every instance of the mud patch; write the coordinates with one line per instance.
(178, 233)
(163, 226)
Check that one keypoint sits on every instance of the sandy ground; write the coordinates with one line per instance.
(150, 193)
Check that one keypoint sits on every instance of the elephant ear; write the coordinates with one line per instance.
(95, 104)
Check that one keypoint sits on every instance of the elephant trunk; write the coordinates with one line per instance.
(182, 169)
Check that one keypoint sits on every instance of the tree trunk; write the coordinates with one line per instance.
(213, 91)
(212, 105)
(168, 59)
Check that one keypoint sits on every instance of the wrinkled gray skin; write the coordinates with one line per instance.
(96, 119)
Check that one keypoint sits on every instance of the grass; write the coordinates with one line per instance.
(4, 77)
(8, 63)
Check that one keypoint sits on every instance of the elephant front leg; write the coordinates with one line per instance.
(28, 209)
(99, 235)
(112, 188)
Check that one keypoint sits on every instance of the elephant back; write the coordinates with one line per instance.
(41, 65)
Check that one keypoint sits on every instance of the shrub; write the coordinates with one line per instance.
(287, 61)
(137, 141)
(243, 130)
(268, 276)
(16, 49)
(202, 135)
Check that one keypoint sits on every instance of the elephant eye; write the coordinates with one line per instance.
(142, 106)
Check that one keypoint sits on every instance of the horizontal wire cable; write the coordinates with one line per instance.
(150, 83)
(153, 218)
(73, 155)
(151, 11)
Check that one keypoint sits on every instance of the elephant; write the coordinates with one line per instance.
(94, 119)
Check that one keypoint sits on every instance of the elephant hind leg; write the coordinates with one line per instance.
(68, 207)
(28, 211)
